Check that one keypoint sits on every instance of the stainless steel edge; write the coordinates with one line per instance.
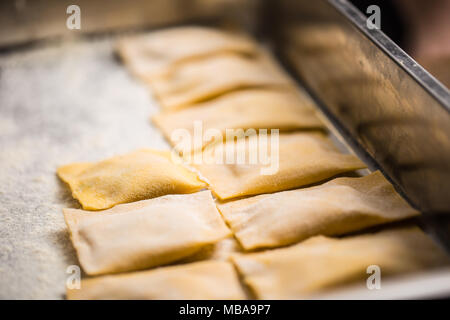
(390, 109)
(430, 83)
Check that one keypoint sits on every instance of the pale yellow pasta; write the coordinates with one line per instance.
(201, 280)
(157, 52)
(138, 175)
(296, 159)
(336, 207)
(323, 263)
(211, 76)
(144, 234)
(285, 110)
(221, 250)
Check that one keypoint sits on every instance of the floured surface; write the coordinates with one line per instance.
(59, 104)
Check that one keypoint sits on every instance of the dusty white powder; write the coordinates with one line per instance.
(59, 104)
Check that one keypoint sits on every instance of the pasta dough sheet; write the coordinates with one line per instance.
(139, 175)
(221, 250)
(323, 263)
(157, 52)
(214, 75)
(201, 280)
(303, 158)
(245, 109)
(145, 234)
(336, 207)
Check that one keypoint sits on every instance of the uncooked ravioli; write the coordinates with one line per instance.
(138, 175)
(286, 109)
(336, 207)
(201, 280)
(213, 75)
(298, 159)
(157, 52)
(144, 234)
(323, 263)
(221, 250)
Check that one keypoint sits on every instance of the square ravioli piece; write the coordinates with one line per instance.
(285, 110)
(157, 52)
(202, 280)
(144, 234)
(340, 206)
(322, 263)
(242, 168)
(135, 176)
(214, 75)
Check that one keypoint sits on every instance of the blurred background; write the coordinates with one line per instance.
(420, 27)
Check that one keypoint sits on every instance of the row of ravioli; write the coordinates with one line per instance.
(154, 227)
